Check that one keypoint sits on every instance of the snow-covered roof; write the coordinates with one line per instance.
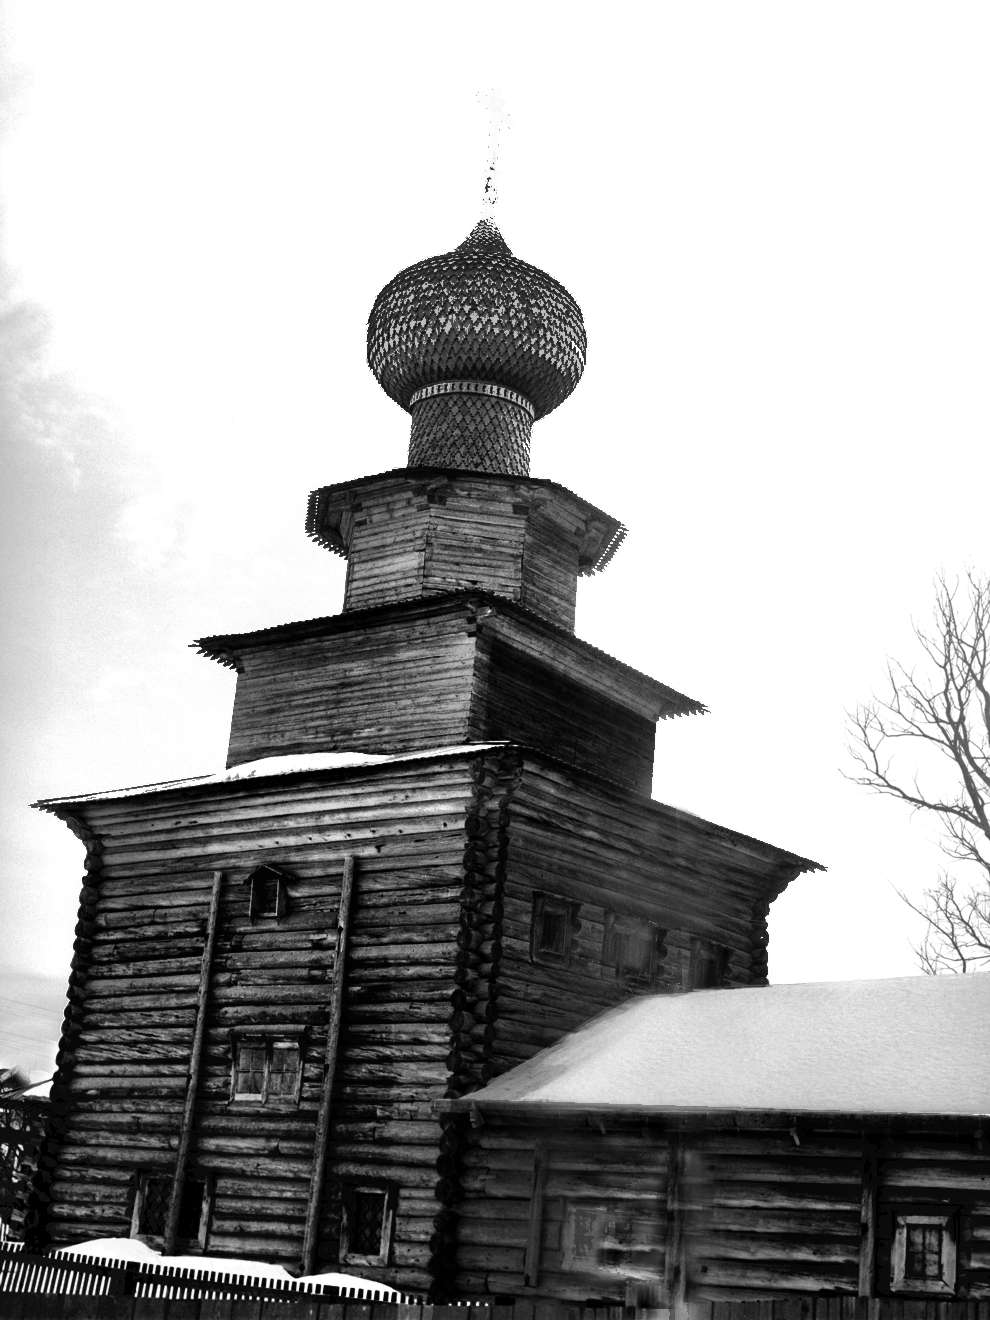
(912, 1045)
(273, 767)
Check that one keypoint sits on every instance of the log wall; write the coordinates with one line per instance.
(608, 851)
(138, 1002)
(765, 1213)
(410, 534)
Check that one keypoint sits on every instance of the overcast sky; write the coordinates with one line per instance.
(775, 217)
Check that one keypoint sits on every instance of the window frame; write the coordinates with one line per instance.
(258, 1040)
(607, 1226)
(265, 871)
(389, 1193)
(613, 923)
(705, 953)
(900, 1282)
(142, 1179)
(544, 904)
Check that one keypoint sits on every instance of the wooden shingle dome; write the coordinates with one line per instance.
(477, 345)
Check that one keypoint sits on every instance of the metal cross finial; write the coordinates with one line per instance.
(498, 123)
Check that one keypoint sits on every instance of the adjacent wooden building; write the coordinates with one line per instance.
(431, 855)
(740, 1145)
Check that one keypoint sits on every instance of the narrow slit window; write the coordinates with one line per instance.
(554, 928)
(268, 893)
(708, 965)
(151, 1205)
(367, 1224)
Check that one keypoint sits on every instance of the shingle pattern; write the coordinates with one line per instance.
(477, 313)
(470, 431)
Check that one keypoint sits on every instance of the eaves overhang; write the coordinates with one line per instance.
(323, 528)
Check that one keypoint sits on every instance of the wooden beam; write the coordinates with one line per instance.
(195, 1059)
(534, 1242)
(329, 1069)
(674, 1292)
(868, 1223)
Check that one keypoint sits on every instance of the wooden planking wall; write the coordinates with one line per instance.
(401, 685)
(593, 844)
(527, 701)
(406, 828)
(410, 536)
(767, 1212)
(627, 1172)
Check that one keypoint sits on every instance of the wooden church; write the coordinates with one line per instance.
(433, 853)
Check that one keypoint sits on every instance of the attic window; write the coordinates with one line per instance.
(367, 1223)
(708, 965)
(629, 947)
(268, 894)
(266, 1071)
(923, 1258)
(554, 926)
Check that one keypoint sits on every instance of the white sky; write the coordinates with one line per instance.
(775, 218)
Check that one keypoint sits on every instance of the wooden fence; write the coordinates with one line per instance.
(50, 1278)
(60, 1287)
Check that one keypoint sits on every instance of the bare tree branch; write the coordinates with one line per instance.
(944, 716)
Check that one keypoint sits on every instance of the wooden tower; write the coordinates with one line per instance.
(432, 853)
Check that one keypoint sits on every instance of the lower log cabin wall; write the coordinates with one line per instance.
(440, 989)
(758, 1213)
(135, 1003)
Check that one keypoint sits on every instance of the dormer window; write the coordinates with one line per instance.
(553, 930)
(268, 893)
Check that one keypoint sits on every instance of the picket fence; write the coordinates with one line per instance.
(60, 1275)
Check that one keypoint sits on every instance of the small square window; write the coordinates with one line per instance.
(266, 1071)
(923, 1258)
(151, 1205)
(367, 1223)
(595, 1238)
(268, 893)
(708, 965)
(630, 946)
(553, 929)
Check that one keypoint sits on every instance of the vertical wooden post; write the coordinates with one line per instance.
(868, 1222)
(192, 1082)
(674, 1293)
(534, 1242)
(329, 1069)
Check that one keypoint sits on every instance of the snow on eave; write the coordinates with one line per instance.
(272, 767)
(903, 1045)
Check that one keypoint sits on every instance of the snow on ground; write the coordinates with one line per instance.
(133, 1249)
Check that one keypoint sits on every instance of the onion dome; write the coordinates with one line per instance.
(476, 345)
